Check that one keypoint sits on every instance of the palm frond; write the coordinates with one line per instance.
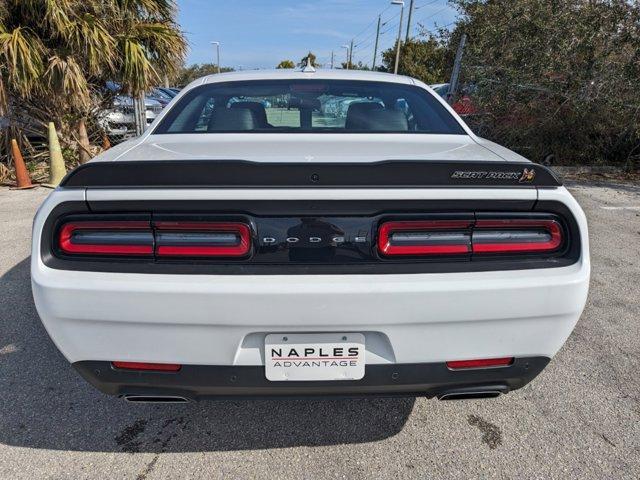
(164, 43)
(149, 51)
(21, 54)
(52, 14)
(65, 77)
(138, 72)
(156, 9)
(87, 34)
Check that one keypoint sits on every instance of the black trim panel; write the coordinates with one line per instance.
(203, 381)
(245, 174)
(350, 258)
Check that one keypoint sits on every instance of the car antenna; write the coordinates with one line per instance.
(308, 68)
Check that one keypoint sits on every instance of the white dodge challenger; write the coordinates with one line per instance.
(309, 233)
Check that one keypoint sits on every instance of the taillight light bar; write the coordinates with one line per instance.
(162, 239)
(425, 237)
(107, 238)
(459, 237)
(516, 235)
(202, 239)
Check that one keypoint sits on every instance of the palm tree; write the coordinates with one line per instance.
(56, 56)
(150, 46)
(286, 64)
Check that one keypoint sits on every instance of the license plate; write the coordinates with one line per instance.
(314, 356)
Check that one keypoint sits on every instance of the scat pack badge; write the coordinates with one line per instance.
(528, 175)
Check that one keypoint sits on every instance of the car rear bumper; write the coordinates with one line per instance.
(223, 320)
(196, 382)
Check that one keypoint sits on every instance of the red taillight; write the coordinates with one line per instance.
(155, 367)
(138, 238)
(106, 238)
(516, 236)
(480, 363)
(425, 237)
(202, 239)
(455, 237)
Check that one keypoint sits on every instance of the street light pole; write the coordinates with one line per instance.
(348, 50)
(401, 3)
(217, 44)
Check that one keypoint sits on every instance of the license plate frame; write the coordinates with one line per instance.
(308, 357)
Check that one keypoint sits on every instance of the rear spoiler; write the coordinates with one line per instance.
(245, 174)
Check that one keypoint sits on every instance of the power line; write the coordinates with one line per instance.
(371, 35)
(390, 18)
(373, 22)
(362, 47)
(392, 27)
(426, 4)
(364, 29)
(432, 15)
(444, 26)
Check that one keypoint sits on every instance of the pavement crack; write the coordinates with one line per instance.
(149, 468)
(604, 437)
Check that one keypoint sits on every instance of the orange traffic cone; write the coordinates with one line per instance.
(22, 176)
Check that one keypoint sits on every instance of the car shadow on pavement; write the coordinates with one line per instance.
(46, 404)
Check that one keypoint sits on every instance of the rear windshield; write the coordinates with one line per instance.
(315, 106)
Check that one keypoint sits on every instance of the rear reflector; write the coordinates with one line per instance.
(516, 235)
(202, 239)
(156, 367)
(480, 363)
(425, 237)
(107, 238)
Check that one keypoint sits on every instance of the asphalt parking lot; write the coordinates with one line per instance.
(579, 419)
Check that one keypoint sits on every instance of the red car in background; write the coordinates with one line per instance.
(463, 105)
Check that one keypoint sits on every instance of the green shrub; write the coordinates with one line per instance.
(552, 77)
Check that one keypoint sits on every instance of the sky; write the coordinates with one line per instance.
(260, 33)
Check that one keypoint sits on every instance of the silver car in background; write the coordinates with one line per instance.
(119, 121)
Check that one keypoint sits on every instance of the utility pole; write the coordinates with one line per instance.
(401, 3)
(351, 54)
(331, 59)
(409, 21)
(375, 49)
(455, 74)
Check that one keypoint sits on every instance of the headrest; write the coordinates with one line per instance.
(259, 112)
(377, 120)
(362, 107)
(230, 120)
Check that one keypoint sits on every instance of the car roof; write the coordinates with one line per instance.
(319, 74)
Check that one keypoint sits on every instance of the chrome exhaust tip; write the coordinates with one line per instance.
(154, 399)
(471, 393)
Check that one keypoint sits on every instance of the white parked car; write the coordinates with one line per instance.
(241, 247)
(119, 120)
